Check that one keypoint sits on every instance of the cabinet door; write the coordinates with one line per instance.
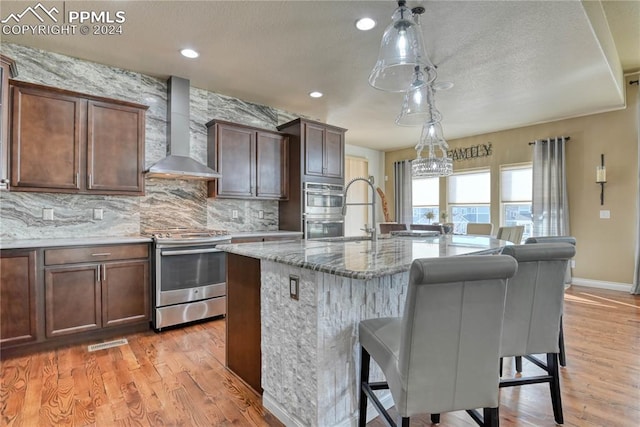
(46, 140)
(334, 154)
(17, 297)
(115, 148)
(125, 292)
(271, 166)
(313, 149)
(72, 299)
(236, 160)
(7, 65)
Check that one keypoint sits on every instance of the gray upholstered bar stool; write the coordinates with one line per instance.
(553, 239)
(442, 354)
(532, 312)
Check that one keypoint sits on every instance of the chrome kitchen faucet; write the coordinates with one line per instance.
(371, 230)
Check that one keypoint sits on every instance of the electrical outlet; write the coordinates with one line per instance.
(261, 214)
(605, 214)
(47, 214)
(234, 214)
(98, 213)
(294, 286)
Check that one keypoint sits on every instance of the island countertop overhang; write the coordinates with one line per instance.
(365, 259)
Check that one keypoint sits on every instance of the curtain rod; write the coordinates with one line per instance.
(565, 138)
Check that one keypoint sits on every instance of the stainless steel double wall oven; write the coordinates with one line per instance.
(322, 214)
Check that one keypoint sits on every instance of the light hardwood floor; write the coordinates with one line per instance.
(178, 378)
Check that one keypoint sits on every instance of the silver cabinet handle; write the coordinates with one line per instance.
(104, 273)
(102, 254)
(90, 180)
(98, 274)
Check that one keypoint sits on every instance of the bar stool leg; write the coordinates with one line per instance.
(365, 360)
(563, 359)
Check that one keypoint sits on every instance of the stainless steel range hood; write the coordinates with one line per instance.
(178, 164)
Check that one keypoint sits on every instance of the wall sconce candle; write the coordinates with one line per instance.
(601, 177)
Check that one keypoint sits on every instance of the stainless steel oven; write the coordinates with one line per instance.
(323, 199)
(189, 279)
(319, 227)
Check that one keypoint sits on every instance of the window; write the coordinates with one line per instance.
(469, 197)
(515, 197)
(425, 198)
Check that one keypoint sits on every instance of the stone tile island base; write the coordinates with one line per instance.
(310, 348)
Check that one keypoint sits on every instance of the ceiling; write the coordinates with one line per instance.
(512, 63)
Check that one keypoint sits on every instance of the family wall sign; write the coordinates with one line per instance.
(473, 152)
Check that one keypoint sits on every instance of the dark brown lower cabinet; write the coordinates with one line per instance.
(72, 299)
(125, 292)
(244, 357)
(17, 297)
(82, 295)
(59, 295)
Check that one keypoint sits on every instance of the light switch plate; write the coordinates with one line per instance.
(605, 214)
(294, 286)
(98, 213)
(47, 214)
(260, 214)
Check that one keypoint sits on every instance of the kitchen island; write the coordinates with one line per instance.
(293, 310)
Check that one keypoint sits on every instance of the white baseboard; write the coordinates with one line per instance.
(614, 286)
(279, 412)
(290, 421)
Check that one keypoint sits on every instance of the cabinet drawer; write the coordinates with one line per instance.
(95, 254)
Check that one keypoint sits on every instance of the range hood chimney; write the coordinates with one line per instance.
(178, 164)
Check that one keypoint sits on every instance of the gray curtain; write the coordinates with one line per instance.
(635, 289)
(403, 190)
(550, 201)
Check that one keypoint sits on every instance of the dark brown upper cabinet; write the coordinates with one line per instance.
(63, 141)
(321, 147)
(7, 70)
(253, 162)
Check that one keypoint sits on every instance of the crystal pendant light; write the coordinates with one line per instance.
(401, 50)
(418, 107)
(436, 163)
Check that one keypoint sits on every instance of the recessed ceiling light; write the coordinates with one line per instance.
(365, 24)
(189, 53)
(315, 94)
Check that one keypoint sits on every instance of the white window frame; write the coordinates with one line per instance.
(450, 206)
(435, 207)
(518, 166)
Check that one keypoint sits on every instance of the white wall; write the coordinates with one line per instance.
(376, 168)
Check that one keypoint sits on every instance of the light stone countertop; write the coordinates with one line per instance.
(364, 259)
(71, 241)
(82, 241)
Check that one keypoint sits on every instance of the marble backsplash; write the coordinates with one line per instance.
(167, 202)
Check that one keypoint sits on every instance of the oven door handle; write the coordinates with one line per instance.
(189, 251)
(325, 192)
(323, 221)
